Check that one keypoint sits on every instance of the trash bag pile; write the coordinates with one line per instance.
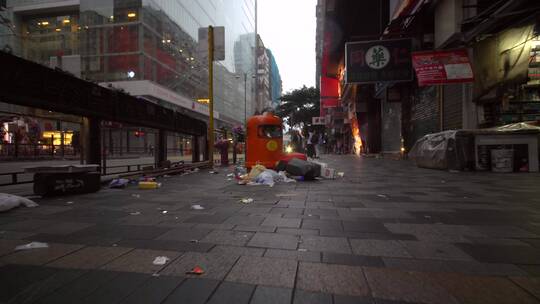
(286, 172)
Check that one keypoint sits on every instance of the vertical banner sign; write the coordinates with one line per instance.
(378, 61)
(219, 42)
(441, 67)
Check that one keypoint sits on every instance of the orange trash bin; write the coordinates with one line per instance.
(264, 140)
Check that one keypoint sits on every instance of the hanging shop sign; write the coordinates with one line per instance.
(378, 61)
(318, 120)
(441, 67)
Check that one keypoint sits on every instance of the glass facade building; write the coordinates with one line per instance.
(156, 41)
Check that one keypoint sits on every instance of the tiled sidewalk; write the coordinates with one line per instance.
(387, 232)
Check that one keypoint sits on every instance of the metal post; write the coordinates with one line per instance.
(195, 151)
(52, 146)
(62, 146)
(211, 94)
(16, 140)
(104, 155)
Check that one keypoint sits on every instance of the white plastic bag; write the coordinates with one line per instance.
(10, 201)
(266, 178)
(282, 177)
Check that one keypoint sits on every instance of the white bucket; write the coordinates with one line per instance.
(502, 160)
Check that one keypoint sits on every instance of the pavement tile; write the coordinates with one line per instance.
(434, 232)
(193, 291)
(295, 231)
(90, 257)
(334, 279)
(237, 250)
(435, 250)
(264, 271)
(116, 289)
(466, 267)
(27, 225)
(273, 240)
(63, 228)
(40, 288)
(216, 266)
(282, 222)
(184, 234)
(167, 245)
(396, 285)
(79, 288)
(351, 259)
(321, 224)
(226, 237)
(40, 256)
(245, 220)
(308, 256)
(15, 235)
(223, 226)
(503, 254)
(271, 295)
(255, 228)
(477, 289)
(365, 226)
(325, 244)
(155, 290)
(229, 292)
(287, 211)
(352, 300)
(122, 231)
(8, 246)
(505, 231)
(306, 297)
(387, 248)
(140, 260)
(207, 219)
(15, 279)
(532, 285)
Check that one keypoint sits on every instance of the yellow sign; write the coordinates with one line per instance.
(272, 145)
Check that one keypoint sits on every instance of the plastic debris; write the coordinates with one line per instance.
(197, 207)
(196, 170)
(119, 183)
(136, 195)
(164, 211)
(340, 174)
(382, 195)
(155, 274)
(230, 175)
(149, 185)
(115, 245)
(166, 175)
(32, 245)
(135, 213)
(248, 200)
(229, 179)
(282, 177)
(69, 203)
(161, 260)
(194, 241)
(255, 171)
(302, 249)
(10, 201)
(196, 270)
(213, 172)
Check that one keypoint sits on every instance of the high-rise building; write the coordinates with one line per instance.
(263, 77)
(276, 86)
(145, 47)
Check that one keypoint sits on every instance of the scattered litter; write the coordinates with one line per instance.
(302, 249)
(255, 171)
(382, 195)
(282, 177)
(230, 175)
(135, 213)
(229, 179)
(155, 274)
(213, 172)
(164, 211)
(443, 182)
(248, 200)
(161, 260)
(197, 207)
(196, 170)
(194, 241)
(136, 195)
(149, 185)
(286, 194)
(428, 217)
(115, 245)
(10, 201)
(166, 176)
(341, 174)
(32, 245)
(69, 203)
(119, 183)
(176, 217)
(309, 215)
(196, 270)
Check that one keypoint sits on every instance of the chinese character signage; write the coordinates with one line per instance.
(378, 61)
(440, 67)
(321, 120)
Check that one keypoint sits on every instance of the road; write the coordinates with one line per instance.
(387, 232)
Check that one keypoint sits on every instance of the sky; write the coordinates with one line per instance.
(287, 28)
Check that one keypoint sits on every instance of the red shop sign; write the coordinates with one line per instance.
(440, 67)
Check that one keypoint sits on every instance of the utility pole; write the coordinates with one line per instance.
(211, 95)
(256, 59)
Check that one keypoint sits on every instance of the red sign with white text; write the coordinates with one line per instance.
(440, 67)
